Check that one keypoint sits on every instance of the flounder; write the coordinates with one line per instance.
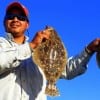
(51, 57)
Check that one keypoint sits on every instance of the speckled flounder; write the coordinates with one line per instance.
(51, 56)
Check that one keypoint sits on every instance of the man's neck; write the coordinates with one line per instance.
(19, 40)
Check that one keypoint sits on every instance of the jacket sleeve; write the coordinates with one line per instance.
(12, 56)
(76, 65)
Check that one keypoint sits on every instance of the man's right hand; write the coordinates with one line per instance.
(39, 38)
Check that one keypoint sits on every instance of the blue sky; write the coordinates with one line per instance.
(77, 23)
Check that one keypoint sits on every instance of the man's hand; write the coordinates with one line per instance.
(39, 37)
(94, 46)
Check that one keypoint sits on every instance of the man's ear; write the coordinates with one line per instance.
(27, 26)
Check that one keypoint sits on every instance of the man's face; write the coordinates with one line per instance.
(15, 23)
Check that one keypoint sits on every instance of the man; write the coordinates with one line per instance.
(20, 78)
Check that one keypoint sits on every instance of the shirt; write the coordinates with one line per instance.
(22, 79)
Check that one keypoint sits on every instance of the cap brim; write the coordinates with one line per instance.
(18, 5)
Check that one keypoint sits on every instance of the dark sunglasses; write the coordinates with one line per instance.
(19, 17)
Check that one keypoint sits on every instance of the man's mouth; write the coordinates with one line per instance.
(14, 25)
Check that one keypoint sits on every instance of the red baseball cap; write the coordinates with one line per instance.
(17, 5)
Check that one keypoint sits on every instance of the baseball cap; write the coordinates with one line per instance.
(19, 6)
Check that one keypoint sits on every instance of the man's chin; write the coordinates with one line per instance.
(15, 33)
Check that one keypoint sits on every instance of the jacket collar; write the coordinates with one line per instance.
(10, 37)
